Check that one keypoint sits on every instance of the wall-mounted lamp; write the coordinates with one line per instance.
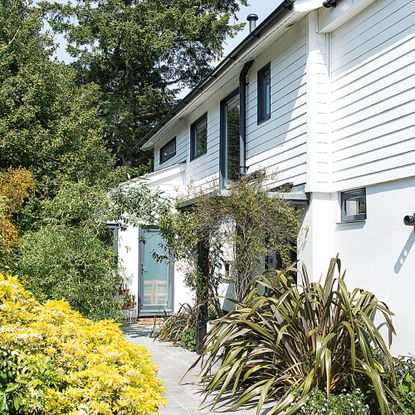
(409, 220)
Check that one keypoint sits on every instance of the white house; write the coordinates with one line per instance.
(324, 93)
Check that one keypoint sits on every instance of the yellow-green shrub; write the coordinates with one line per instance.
(54, 361)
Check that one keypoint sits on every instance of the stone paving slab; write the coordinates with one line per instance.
(183, 396)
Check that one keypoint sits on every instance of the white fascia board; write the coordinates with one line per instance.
(228, 74)
(331, 18)
(305, 6)
(157, 176)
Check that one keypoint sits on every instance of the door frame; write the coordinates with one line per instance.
(156, 309)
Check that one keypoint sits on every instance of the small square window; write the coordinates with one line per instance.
(353, 205)
(198, 137)
(168, 151)
(264, 93)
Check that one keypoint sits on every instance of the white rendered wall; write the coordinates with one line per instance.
(378, 254)
(128, 254)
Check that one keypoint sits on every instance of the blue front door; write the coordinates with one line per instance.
(156, 274)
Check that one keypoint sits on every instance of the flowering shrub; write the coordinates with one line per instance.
(54, 361)
(342, 404)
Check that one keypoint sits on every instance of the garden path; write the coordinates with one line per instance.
(183, 398)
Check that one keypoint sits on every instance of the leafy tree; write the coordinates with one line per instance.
(73, 264)
(141, 53)
(15, 187)
(48, 123)
(67, 254)
(240, 230)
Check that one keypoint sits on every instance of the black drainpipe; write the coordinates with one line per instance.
(242, 116)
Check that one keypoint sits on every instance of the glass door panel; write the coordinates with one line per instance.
(156, 273)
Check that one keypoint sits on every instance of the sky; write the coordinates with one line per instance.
(261, 7)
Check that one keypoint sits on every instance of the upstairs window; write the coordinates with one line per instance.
(264, 93)
(168, 151)
(353, 205)
(198, 137)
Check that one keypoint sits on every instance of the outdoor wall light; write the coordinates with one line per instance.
(409, 220)
(329, 3)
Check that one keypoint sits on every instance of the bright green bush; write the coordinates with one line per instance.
(343, 404)
(71, 263)
(54, 361)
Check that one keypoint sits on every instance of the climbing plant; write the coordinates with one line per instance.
(239, 232)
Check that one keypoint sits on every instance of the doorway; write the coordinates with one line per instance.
(156, 274)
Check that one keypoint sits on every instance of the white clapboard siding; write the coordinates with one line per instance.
(373, 95)
(279, 144)
(206, 164)
(276, 144)
(182, 148)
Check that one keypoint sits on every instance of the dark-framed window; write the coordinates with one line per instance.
(230, 156)
(353, 205)
(264, 93)
(168, 151)
(198, 137)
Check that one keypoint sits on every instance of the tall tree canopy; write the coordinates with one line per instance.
(48, 123)
(141, 53)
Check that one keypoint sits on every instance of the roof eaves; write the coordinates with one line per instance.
(283, 8)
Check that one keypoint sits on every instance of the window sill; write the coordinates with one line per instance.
(166, 160)
(263, 120)
(198, 156)
(349, 222)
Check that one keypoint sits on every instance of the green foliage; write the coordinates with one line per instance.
(405, 372)
(141, 53)
(48, 123)
(247, 219)
(297, 338)
(71, 263)
(135, 204)
(77, 205)
(343, 404)
(55, 362)
(179, 328)
(15, 187)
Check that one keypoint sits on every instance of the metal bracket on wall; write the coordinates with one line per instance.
(409, 220)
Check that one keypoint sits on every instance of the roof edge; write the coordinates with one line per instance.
(285, 7)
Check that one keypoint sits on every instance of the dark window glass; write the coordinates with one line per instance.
(198, 137)
(264, 93)
(168, 151)
(353, 205)
(232, 129)
(114, 235)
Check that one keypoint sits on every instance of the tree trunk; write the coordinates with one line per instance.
(202, 296)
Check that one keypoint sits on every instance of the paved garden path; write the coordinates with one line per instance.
(183, 398)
